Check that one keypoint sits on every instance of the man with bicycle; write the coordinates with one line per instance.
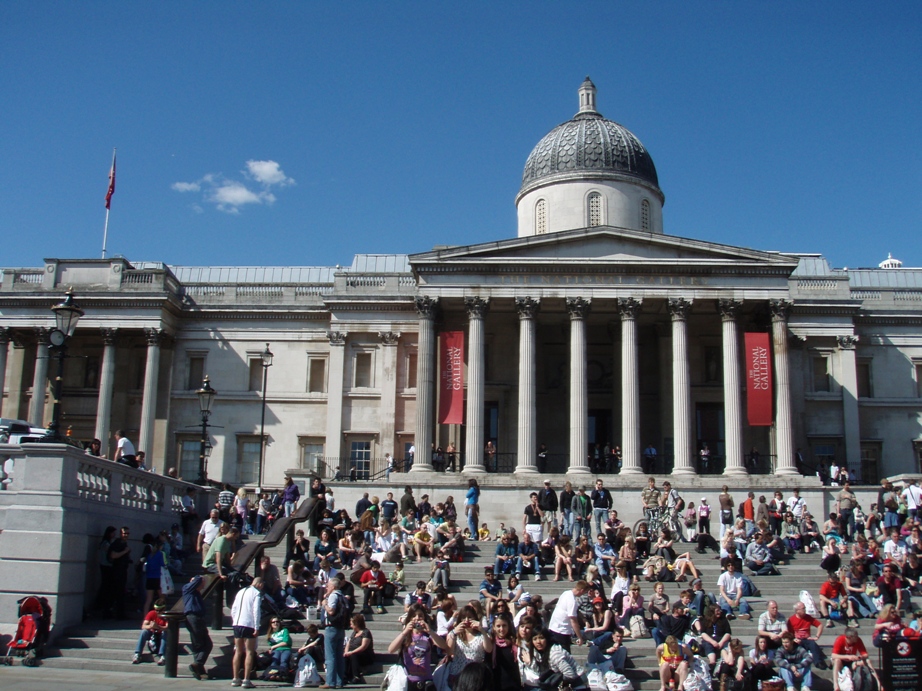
(651, 499)
(673, 505)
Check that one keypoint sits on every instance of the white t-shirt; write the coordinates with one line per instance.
(913, 497)
(209, 531)
(796, 506)
(566, 607)
(895, 550)
(732, 585)
(126, 447)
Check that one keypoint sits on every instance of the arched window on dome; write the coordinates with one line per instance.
(595, 209)
(645, 215)
(541, 217)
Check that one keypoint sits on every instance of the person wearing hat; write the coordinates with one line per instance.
(152, 629)
(581, 509)
(548, 503)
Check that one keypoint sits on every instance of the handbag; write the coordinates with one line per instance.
(166, 582)
(726, 516)
(395, 679)
(550, 680)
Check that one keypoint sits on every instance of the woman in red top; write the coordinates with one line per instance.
(888, 625)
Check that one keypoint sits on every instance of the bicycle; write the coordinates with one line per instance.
(661, 517)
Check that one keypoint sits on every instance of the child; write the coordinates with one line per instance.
(314, 645)
(499, 533)
(397, 576)
(484, 533)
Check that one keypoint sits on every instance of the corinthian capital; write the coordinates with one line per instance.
(426, 306)
(389, 338)
(781, 309)
(629, 307)
(729, 309)
(847, 342)
(477, 307)
(527, 307)
(679, 308)
(337, 338)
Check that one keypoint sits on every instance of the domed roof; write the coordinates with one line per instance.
(588, 147)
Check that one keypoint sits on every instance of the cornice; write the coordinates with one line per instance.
(587, 266)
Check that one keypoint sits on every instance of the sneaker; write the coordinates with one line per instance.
(380, 610)
(161, 662)
(747, 617)
(136, 659)
(539, 577)
(236, 682)
(829, 624)
(852, 623)
(247, 684)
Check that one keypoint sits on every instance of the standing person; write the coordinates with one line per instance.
(564, 623)
(532, 518)
(705, 456)
(106, 578)
(245, 615)
(225, 502)
(193, 606)
(291, 495)
(472, 505)
(124, 450)
(797, 505)
(547, 502)
(704, 517)
(407, 502)
(489, 453)
(153, 565)
(754, 458)
(912, 495)
(318, 492)
(542, 458)
(649, 459)
(242, 510)
(566, 512)
(262, 512)
(725, 499)
(749, 513)
(846, 503)
(120, 557)
(582, 513)
(888, 503)
(650, 498)
(451, 454)
(388, 467)
(601, 504)
(334, 633)
(188, 514)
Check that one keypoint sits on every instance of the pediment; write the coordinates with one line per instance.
(603, 245)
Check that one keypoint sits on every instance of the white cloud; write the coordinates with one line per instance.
(268, 173)
(230, 196)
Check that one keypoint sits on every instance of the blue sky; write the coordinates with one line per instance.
(302, 133)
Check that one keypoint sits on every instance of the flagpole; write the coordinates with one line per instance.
(109, 193)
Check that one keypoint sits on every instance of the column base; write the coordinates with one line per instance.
(685, 472)
(526, 470)
(735, 472)
(786, 471)
(631, 471)
(420, 468)
(579, 470)
(473, 468)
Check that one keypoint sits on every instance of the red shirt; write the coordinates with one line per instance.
(154, 616)
(843, 647)
(800, 627)
(832, 590)
(369, 577)
(747, 510)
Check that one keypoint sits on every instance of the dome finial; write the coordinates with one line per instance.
(587, 97)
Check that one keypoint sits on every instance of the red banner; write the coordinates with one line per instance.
(758, 380)
(451, 378)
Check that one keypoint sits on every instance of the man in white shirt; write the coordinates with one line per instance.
(245, 615)
(912, 495)
(834, 474)
(564, 621)
(124, 451)
(796, 505)
(895, 549)
(772, 624)
(731, 593)
(208, 532)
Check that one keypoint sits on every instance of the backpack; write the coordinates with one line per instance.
(679, 502)
(639, 627)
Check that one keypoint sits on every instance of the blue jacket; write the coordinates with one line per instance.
(192, 601)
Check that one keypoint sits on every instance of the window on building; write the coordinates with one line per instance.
(595, 209)
(138, 366)
(91, 373)
(360, 458)
(317, 375)
(824, 451)
(248, 452)
(870, 463)
(918, 369)
(411, 370)
(190, 451)
(820, 373)
(312, 455)
(196, 369)
(363, 378)
(256, 374)
(541, 217)
(645, 215)
(863, 372)
(713, 365)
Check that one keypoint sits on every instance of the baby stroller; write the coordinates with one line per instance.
(31, 631)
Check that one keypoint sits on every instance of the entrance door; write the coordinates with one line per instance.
(709, 422)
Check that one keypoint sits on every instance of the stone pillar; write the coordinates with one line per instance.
(733, 417)
(427, 308)
(149, 399)
(850, 417)
(106, 385)
(388, 386)
(334, 435)
(39, 379)
(630, 387)
(477, 309)
(5, 337)
(681, 388)
(527, 309)
(784, 435)
(579, 440)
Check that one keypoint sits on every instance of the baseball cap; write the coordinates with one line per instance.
(704, 498)
(598, 601)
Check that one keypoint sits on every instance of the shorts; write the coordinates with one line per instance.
(244, 632)
(152, 584)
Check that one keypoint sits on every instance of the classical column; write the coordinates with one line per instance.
(733, 416)
(527, 308)
(681, 388)
(630, 391)
(477, 309)
(39, 379)
(334, 436)
(149, 401)
(5, 336)
(578, 309)
(427, 308)
(106, 384)
(784, 435)
(388, 379)
(850, 419)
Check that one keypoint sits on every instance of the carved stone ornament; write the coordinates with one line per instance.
(578, 307)
(729, 309)
(847, 342)
(427, 306)
(109, 336)
(337, 338)
(781, 309)
(477, 307)
(679, 308)
(154, 336)
(41, 334)
(527, 307)
(389, 338)
(629, 307)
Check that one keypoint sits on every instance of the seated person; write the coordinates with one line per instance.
(673, 659)
(799, 625)
(793, 663)
(505, 556)
(675, 624)
(772, 625)
(272, 581)
(300, 582)
(347, 548)
(373, 582)
(890, 586)
(758, 558)
(848, 652)
(605, 556)
(659, 603)
(490, 590)
(612, 651)
(833, 599)
(713, 631)
(152, 629)
(810, 534)
(422, 543)
(528, 560)
(895, 548)
(220, 555)
(731, 592)
(418, 597)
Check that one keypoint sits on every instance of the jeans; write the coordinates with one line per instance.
(281, 657)
(289, 508)
(597, 656)
(604, 567)
(472, 522)
(581, 527)
(260, 523)
(767, 568)
(333, 641)
(847, 523)
(600, 516)
(863, 605)
(790, 680)
(566, 522)
(725, 606)
(146, 635)
(697, 603)
(819, 657)
(503, 565)
(520, 566)
(891, 519)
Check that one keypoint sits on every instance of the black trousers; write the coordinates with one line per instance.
(560, 638)
(200, 640)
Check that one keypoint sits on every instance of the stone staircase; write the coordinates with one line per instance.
(108, 646)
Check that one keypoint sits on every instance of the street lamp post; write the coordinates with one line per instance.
(266, 356)
(205, 398)
(66, 316)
